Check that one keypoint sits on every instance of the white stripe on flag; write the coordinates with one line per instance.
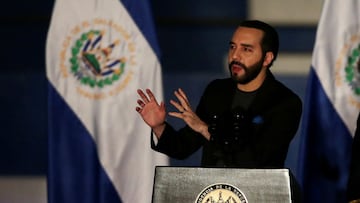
(338, 36)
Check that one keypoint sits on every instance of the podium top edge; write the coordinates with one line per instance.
(194, 167)
(282, 170)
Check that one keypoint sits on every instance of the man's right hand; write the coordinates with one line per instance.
(151, 112)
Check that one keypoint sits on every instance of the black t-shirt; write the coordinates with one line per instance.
(242, 100)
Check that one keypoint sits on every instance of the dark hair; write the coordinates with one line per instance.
(270, 41)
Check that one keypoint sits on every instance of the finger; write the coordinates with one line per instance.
(143, 96)
(176, 114)
(138, 109)
(182, 93)
(151, 95)
(177, 106)
(141, 103)
(162, 106)
(182, 100)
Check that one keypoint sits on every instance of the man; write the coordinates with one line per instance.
(246, 121)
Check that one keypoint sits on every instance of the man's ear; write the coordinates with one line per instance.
(269, 56)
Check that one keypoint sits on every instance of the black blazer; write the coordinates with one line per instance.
(267, 128)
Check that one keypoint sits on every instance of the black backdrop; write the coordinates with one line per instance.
(193, 38)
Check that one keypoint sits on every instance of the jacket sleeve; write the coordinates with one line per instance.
(178, 144)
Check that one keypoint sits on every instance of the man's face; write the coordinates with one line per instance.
(245, 58)
(249, 72)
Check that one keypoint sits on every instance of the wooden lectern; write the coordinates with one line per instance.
(223, 185)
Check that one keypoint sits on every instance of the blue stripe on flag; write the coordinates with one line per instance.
(137, 10)
(324, 149)
(73, 159)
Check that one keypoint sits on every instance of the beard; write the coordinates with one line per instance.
(250, 72)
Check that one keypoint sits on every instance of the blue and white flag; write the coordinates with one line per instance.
(332, 103)
(97, 56)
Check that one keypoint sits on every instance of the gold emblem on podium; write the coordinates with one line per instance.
(221, 193)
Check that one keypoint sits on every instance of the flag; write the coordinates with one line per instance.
(331, 104)
(98, 53)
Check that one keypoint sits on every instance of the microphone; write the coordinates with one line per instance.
(213, 128)
(231, 128)
(237, 117)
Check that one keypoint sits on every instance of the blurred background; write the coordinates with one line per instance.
(193, 37)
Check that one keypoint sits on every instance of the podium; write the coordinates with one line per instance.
(217, 185)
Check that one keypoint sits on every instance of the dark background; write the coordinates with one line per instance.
(193, 37)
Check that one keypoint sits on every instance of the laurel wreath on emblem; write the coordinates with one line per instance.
(93, 64)
(214, 194)
(352, 70)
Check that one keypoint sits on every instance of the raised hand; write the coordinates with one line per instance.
(151, 111)
(187, 114)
